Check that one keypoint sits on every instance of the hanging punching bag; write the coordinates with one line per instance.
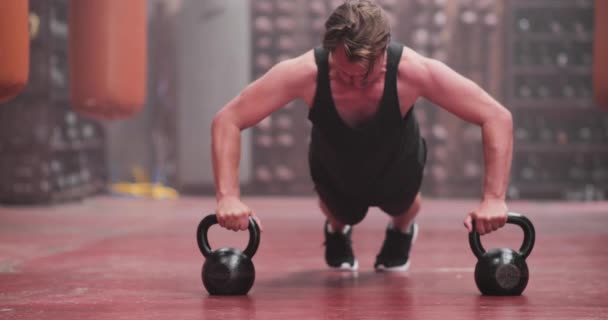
(600, 54)
(107, 57)
(14, 48)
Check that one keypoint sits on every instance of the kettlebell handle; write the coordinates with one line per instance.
(512, 218)
(203, 240)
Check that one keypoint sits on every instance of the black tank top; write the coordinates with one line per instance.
(376, 155)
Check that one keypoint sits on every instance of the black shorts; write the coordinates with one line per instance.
(352, 211)
(395, 197)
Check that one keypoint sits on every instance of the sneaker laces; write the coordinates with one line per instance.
(339, 241)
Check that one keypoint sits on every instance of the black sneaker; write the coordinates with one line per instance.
(338, 249)
(394, 255)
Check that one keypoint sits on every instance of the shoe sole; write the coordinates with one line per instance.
(347, 267)
(404, 267)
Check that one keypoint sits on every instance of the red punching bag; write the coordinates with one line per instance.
(14, 48)
(600, 54)
(107, 57)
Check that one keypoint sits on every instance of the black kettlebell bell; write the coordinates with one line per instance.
(227, 271)
(503, 271)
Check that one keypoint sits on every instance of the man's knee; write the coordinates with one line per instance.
(404, 208)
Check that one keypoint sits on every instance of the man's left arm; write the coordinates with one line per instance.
(465, 99)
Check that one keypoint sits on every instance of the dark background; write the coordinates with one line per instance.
(534, 56)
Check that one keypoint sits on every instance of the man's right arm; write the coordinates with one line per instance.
(280, 85)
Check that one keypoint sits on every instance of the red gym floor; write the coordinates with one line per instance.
(110, 258)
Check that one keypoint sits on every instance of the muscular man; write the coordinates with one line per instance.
(366, 149)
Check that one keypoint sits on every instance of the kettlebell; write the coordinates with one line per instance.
(503, 271)
(227, 271)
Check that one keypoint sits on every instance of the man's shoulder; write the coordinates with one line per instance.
(409, 58)
(411, 65)
(305, 65)
(300, 68)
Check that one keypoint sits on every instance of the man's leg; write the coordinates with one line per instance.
(338, 232)
(400, 234)
(403, 221)
(333, 222)
(341, 213)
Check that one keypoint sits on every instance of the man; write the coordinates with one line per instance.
(366, 149)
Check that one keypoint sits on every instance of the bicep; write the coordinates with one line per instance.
(260, 98)
(457, 94)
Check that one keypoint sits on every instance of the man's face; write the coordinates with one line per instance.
(354, 73)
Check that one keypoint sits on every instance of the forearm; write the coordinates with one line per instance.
(498, 152)
(226, 152)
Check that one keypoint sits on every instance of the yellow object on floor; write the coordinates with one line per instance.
(145, 190)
